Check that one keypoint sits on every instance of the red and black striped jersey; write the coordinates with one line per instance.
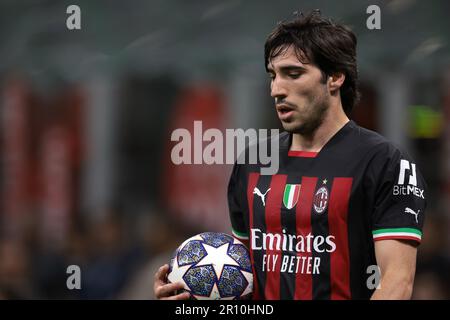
(312, 225)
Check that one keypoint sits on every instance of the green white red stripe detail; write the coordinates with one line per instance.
(239, 235)
(397, 233)
(290, 197)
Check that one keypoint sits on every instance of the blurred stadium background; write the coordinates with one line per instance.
(86, 117)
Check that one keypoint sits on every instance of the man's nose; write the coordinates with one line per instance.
(277, 89)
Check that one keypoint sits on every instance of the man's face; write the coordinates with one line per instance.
(300, 92)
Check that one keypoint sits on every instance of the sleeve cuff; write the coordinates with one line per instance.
(239, 235)
(397, 233)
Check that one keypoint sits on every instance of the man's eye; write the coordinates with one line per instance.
(294, 75)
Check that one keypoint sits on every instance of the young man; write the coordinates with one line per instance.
(344, 202)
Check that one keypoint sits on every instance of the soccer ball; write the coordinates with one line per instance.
(213, 266)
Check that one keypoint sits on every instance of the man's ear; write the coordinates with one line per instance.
(336, 80)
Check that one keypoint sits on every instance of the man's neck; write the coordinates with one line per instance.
(315, 141)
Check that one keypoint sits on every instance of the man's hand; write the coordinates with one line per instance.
(167, 291)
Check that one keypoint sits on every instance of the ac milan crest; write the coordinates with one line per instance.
(320, 202)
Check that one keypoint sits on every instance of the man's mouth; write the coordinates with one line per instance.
(284, 111)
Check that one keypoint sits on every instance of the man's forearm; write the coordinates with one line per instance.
(394, 287)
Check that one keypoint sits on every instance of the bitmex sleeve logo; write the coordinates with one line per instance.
(411, 188)
(405, 165)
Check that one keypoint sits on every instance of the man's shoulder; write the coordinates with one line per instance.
(374, 142)
(369, 137)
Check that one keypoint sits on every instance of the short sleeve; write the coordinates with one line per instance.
(400, 196)
(237, 204)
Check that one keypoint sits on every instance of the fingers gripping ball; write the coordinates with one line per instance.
(213, 266)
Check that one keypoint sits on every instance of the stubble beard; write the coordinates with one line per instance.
(313, 120)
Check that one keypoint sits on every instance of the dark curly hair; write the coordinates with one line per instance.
(322, 42)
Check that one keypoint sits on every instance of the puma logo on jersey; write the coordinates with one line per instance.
(259, 194)
(411, 211)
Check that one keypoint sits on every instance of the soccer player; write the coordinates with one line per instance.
(346, 207)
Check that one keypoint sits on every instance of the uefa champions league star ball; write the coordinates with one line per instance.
(213, 266)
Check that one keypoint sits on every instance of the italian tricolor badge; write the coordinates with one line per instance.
(290, 197)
